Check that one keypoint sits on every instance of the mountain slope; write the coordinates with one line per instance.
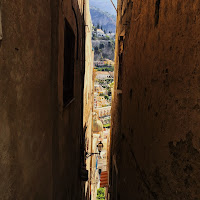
(104, 19)
(104, 5)
(107, 51)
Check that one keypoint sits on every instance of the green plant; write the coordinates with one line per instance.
(101, 193)
(101, 46)
(107, 37)
(107, 125)
(96, 48)
(106, 67)
(106, 97)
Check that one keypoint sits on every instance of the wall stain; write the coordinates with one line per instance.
(185, 166)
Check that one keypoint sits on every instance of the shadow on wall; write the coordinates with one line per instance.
(40, 138)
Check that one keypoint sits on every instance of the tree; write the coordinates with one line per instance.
(107, 37)
(101, 193)
(109, 92)
(96, 48)
(106, 97)
(98, 26)
(101, 46)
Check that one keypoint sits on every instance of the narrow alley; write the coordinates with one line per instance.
(100, 99)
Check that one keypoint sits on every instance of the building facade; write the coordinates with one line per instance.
(88, 99)
(42, 64)
(155, 110)
(103, 75)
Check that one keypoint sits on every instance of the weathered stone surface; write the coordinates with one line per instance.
(1, 31)
(157, 146)
(39, 139)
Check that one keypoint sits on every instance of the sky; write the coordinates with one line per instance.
(104, 5)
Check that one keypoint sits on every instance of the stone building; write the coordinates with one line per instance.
(42, 64)
(88, 96)
(97, 133)
(155, 112)
(103, 75)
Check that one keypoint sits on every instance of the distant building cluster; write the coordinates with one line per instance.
(101, 126)
(104, 62)
(97, 32)
(104, 75)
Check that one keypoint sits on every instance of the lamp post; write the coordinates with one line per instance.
(99, 147)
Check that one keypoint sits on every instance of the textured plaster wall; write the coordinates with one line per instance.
(39, 139)
(158, 156)
(70, 118)
(26, 101)
(88, 94)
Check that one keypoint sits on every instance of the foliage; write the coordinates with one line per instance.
(94, 37)
(95, 28)
(96, 48)
(109, 92)
(101, 46)
(100, 81)
(107, 125)
(101, 193)
(105, 55)
(109, 81)
(106, 37)
(111, 85)
(107, 69)
(106, 97)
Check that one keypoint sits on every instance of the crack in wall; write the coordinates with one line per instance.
(157, 12)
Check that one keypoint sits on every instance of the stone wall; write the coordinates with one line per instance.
(39, 137)
(155, 113)
(88, 96)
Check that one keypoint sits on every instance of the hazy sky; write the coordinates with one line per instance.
(104, 5)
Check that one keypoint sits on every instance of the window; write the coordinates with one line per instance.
(68, 76)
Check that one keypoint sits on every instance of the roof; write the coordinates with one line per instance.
(111, 74)
(104, 108)
(103, 73)
(99, 29)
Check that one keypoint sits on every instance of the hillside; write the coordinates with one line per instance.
(104, 19)
(104, 5)
(103, 49)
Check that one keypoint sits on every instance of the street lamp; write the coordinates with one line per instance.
(99, 147)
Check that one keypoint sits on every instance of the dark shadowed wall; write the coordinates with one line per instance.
(156, 106)
(39, 136)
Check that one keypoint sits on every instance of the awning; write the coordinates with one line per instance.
(104, 179)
